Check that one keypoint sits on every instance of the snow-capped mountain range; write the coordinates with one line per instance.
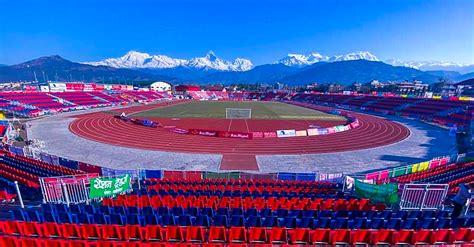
(428, 65)
(139, 60)
(299, 60)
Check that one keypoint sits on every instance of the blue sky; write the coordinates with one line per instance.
(262, 31)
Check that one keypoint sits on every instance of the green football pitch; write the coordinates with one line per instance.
(217, 109)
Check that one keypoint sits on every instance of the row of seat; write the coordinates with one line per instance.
(246, 202)
(238, 182)
(235, 234)
(266, 212)
(206, 220)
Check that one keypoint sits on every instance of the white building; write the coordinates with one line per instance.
(160, 86)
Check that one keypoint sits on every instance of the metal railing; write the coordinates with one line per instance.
(423, 196)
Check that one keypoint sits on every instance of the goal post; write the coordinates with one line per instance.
(238, 113)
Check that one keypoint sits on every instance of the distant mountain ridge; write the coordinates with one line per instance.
(58, 68)
(139, 60)
(325, 70)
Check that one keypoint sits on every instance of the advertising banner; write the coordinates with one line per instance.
(269, 134)
(104, 187)
(231, 134)
(323, 131)
(57, 87)
(286, 133)
(301, 133)
(313, 132)
(355, 124)
(340, 128)
(89, 87)
(203, 132)
(331, 130)
(99, 87)
(179, 131)
(257, 134)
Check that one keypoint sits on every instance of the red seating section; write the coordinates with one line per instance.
(16, 232)
(238, 202)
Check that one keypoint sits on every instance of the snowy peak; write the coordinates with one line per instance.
(429, 65)
(299, 60)
(137, 60)
(365, 55)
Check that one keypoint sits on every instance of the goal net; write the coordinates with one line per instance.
(238, 113)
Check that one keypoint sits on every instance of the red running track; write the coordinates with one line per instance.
(102, 127)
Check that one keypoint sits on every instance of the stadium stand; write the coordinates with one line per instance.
(440, 111)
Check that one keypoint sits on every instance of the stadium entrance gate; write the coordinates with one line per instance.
(423, 196)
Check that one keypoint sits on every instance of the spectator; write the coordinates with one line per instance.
(461, 199)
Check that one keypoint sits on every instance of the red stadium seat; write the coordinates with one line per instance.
(340, 236)
(53, 230)
(174, 234)
(319, 236)
(153, 233)
(258, 235)
(91, 231)
(217, 234)
(71, 231)
(277, 235)
(299, 236)
(461, 235)
(195, 234)
(360, 236)
(237, 235)
(134, 232)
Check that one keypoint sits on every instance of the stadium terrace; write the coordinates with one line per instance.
(85, 165)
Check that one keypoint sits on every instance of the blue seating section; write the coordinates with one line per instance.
(237, 217)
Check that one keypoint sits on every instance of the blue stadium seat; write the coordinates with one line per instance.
(325, 214)
(202, 220)
(186, 220)
(105, 210)
(46, 207)
(413, 215)
(341, 214)
(147, 211)
(237, 221)
(116, 219)
(151, 219)
(61, 208)
(399, 215)
(237, 212)
(296, 213)
(288, 222)
(357, 223)
(33, 215)
(88, 209)
(75, 208)
(221, 220)
(443, 223)
(64, 217)
(253, 221)
(177, 211)
(251, 212)
(266, 212)
(426, 223)
(208, 212)
(409, 223)
(99, 219)
(281, 213)
(82, 218)
(133, 210)
(322, 223)
(163, 211)
(309, 214)
(192, 211)
(222, 211)
(270, 222)
(120, 210)
(305, 222)
(442, 214)
(375, 223)
(168, 220)
(393, 224)
(339, 223)
(49, 217)
(18, 214)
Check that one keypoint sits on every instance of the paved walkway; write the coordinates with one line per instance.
(425, 142)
